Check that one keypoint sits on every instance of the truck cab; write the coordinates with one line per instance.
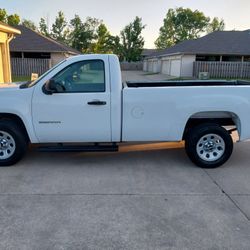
(79, 101)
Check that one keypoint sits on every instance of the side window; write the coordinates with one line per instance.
(84, 76)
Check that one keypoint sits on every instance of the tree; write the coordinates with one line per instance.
(75, 35)
(29, 24)
(181, 24)
(216, 25)
(132, 42)
(115, 46)
(83, 34)
(43, 27)
(13, 19)
(59, 28)
(3, 16)
(103, 43)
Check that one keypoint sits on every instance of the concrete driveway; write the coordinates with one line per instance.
(135, 199)
(143, 197)
(143, 76)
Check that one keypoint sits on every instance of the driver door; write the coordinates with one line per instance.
(79, 111)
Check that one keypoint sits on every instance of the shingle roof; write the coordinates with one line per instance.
(32, 41)
(148, 52)
(216, 43)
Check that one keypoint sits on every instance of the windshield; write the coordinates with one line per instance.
(32, 83)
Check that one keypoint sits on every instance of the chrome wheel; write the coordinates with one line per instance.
(7, 145)
(210, 147)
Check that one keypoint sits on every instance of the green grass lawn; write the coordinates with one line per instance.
(181, 78)
(20, 78)
(228, 79)
(150, 73)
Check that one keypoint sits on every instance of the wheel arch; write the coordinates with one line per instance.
(18, 120)
(222, 118)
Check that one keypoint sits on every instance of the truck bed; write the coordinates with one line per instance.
(161, 110)
(186, 83)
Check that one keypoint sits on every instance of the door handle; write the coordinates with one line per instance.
(97, 102)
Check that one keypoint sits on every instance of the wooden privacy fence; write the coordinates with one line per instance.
(27, 66)
(223, 69)
(131, 66)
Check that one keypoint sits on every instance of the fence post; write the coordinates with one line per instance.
(241, 71)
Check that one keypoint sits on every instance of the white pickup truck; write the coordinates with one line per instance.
(82, 105)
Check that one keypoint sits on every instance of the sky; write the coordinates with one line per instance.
(118, 13)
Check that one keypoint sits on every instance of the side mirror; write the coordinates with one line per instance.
(51, 87)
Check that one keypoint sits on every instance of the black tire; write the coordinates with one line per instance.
(20, 141)
(193, 137)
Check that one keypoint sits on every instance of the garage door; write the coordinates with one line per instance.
(175, 68)
(150, 66)
(145, 66)
(165, 67)
(155, 66)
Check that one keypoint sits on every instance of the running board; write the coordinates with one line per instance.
(79, 148)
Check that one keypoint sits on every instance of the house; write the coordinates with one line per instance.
(32, 44)
(6, 35)
(32, 52)
(219, 46)
(147, 52)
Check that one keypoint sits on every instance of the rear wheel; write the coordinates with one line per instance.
(208, 145)
(13, 143)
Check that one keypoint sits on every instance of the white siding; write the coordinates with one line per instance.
(187, 65)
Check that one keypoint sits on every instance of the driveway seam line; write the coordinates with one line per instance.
(101, 194)
(227, 195)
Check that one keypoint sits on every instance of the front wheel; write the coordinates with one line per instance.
(13, 143)
(208, 145)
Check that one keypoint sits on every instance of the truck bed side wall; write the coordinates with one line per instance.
(161, 114)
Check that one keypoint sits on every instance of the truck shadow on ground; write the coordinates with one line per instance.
(127, 155)
(155, 154)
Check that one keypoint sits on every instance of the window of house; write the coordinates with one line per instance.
(36, 55)
(209, 58)
(246, 58)
(16, 54)
(231, 58)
